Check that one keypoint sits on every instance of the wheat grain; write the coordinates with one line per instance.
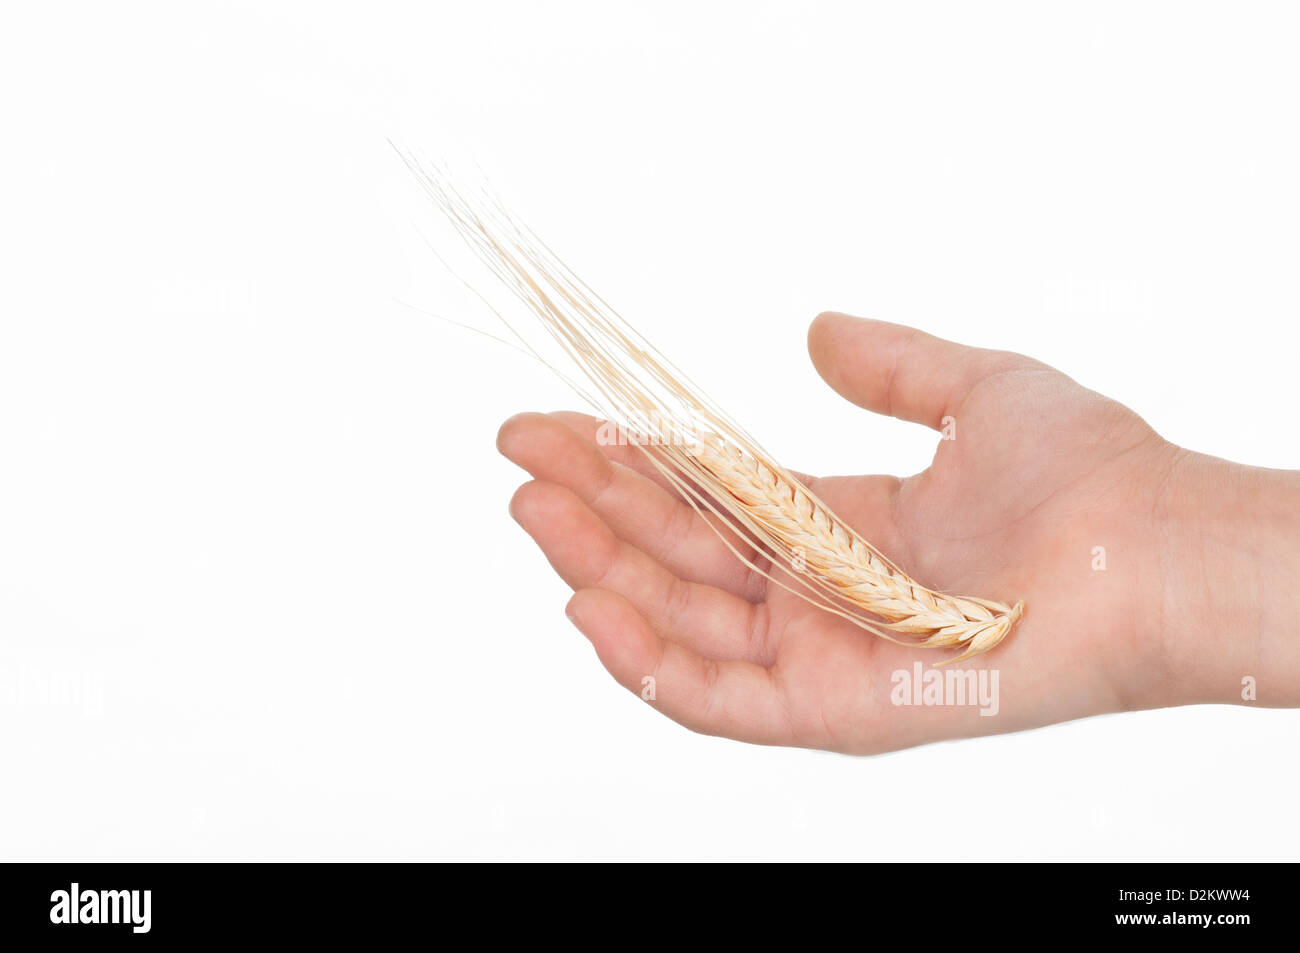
(831, 550)
(713, 463)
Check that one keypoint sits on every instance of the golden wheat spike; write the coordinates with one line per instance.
(707, 457)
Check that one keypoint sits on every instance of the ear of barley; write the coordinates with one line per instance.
(713, 463)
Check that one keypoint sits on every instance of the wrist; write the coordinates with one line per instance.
(1230, 554)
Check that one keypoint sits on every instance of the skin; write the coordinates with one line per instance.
(1202, 559)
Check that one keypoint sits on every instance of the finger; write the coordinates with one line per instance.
(900, 371)
(586, 553)
(696, 546)
(622, 450)
(737, 699)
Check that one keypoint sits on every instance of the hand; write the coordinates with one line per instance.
(1047, 492)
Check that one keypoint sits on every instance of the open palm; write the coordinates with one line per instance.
(1041, 490)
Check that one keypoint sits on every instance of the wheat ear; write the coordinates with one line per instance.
(713, 463)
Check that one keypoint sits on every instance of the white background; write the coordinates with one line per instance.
(260, 597)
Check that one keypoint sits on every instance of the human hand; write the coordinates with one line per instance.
(1043, 479)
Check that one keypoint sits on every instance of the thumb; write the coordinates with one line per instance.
(900, 371)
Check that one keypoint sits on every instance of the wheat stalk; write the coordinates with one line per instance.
(712, 462)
